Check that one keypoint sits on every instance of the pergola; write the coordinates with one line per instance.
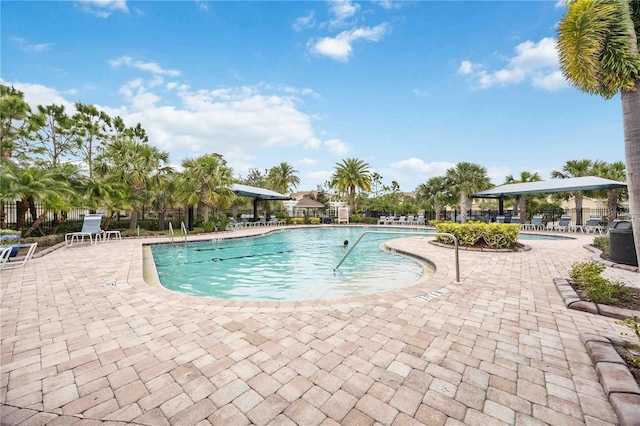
(257, 194)
(587, 183)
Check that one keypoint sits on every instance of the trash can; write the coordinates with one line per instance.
(621, 244)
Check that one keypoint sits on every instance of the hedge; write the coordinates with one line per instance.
(495, 235)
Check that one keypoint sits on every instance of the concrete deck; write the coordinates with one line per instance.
(498, 348)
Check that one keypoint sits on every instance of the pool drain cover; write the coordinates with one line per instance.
(432, 295)
(109, 284)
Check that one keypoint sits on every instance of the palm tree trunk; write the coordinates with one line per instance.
(36, 224)
(205, 213)
(612, 203)
(133, 223)
(464, 200)
(631, 124)
(578, 200)
(437, 208)
(21, 207)
(352, 200)
(522, 207)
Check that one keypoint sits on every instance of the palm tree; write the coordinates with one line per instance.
(130, 160)
(435, 192)
(598, 50)
(465, 179)
(33, 185)
(207, 180)
(576, 168)
(521, 205)
(614, 171)
(350, 175)
(283, 177)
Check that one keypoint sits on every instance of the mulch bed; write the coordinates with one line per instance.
(632, 300)
(626, 355)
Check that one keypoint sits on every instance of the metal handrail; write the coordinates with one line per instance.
(184, 231)
(442, 234)
(171, 231)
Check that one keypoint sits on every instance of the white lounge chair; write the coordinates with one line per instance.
(382, 220)
(90, 228)
(535, 225)
(274, 220)
(4, 256)
(500, 219)
(563, 224)
(420, 220)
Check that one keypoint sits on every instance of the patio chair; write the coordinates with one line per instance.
(500, 219)
(4, 256)
(420, 220)
(535, 225)
(90, 228)
(391, 220)
(411, 219)
(515, 220)
(563, 224)
(234, 224)
(274, 220)
(402, 220)
(592, 225)
(611, 225)
(262, 221)
(382, 220)
(246, 222)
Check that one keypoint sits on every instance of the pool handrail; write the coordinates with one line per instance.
(441, 234)
(183, 229)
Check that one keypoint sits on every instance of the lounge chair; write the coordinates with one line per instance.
(234, 224)
(4, 256)
(411, 219)
(610, 226)
(535, 225)
(515, 220)
(274, 220)
(391, 220)
(563, 224)
(262, 221)
(90, 228)
(382, 220)
(402, 220)
(420, 220)
(500, 219)
(246, 222)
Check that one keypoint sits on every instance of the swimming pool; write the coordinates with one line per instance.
(291, 264)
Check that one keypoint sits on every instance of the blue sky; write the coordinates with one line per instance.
(410, 87)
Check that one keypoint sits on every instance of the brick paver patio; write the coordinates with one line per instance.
(498, 348)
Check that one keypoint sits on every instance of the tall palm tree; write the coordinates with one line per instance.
(350, 175)
(465, 179)
(521, 205)
(614, 171)
(132, 161)
(436, 192)
(576, 168)
(207, 180)
(282, 178)
(598, 50)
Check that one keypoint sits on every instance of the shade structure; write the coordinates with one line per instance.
(257, 194)
(586, 183)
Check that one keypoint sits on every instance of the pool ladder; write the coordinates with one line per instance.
(183, 231)
(442, 234)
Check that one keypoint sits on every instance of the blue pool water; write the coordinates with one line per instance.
(292, 264)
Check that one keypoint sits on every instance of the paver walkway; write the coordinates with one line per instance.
(498, 348)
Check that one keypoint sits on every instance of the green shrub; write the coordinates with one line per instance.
(602, 243)
(297, 220)
(314, 220)
(46, 241)
(607, 292)
(587, 274)
(495, 235)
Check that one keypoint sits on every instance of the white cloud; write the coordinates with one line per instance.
(103, 8)
(342, 10)
(303, 22)
(339, 47)
(536, 62)
(466, 67)
(37, 94)
(320, 176)
(390, 4)
(202, 4)
(26, 46)
(560, 4)
(498, 173)
(424, 169)
(421, 93)
(336, 147)
(308, 162)
(151, 67)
